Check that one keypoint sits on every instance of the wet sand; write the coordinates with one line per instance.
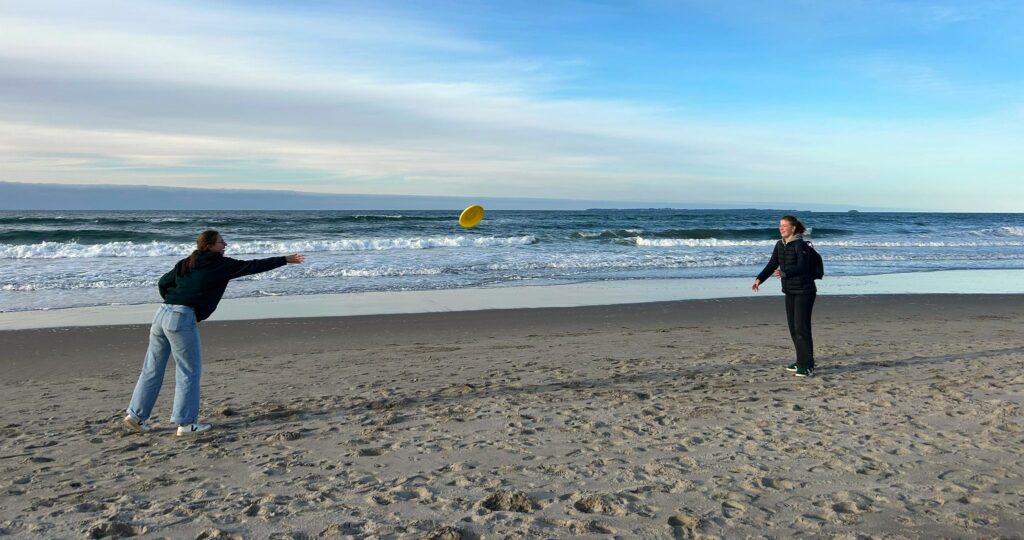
(660, 420)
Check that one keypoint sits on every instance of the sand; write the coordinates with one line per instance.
(660, 420)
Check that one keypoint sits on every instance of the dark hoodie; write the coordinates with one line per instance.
(202, 288)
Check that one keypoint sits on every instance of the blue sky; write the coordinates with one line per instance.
(911, 104)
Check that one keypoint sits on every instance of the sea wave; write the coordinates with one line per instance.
(224, 221)
(60, 250)
(67, 221)
(625, 263)
(1001, 231)
(759, 233)
(85, 236)
(714, 242)
(79, 285)
(694, 242)
(86, 282)
(285, 220)
(605, 234)
(921, 244)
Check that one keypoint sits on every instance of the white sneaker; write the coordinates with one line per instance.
(136, 425)
(186, 430)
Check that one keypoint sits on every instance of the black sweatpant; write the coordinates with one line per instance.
(798, 315)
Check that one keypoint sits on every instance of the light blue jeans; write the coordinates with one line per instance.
(174, 332)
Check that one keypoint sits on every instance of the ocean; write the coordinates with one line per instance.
(52, 260)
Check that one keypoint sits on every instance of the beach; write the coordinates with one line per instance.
(654, 420)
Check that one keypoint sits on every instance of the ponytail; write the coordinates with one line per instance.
(204, 242)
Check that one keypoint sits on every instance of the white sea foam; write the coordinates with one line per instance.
(922, 244)
(81, 282)
(1001, 231)
(714, 242)
(627, 262)
(60, 250)
(869, 257)
(695, 242)
(342, 272)
(77, 285)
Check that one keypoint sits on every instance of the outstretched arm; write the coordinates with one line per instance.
(237, 268)
(247, 268)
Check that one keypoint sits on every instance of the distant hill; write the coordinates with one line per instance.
(24, 196)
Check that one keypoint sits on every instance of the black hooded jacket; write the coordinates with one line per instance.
(202, 288)
(794, 263)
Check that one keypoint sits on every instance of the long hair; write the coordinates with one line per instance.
(798, 227)
(204, 242)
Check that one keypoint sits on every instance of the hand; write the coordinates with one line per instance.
(778, 273)
(295, 258)
(757, 286)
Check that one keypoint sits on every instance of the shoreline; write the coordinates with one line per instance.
(42, 353)
(527, 296)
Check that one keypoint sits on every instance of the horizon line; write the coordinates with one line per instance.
(577, 204)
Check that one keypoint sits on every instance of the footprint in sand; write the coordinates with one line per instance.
(447, 533)
(509, 501)
(383, 499)
(847, 507)
(420, 493)
(599, 504)
(216, 534)
(348, 529)
(115, 529)
(778, 483)
(844, 506)
(86, 508)
(811, 521)
(733, 509)
(576, 527)
(284, 436)
(685, 521)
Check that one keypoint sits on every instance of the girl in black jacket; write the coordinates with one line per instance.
(191, 291)
(791, 260)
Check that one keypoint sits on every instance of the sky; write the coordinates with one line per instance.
(867, 103)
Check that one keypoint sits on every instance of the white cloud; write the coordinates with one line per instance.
(118, 93)
(931, 81)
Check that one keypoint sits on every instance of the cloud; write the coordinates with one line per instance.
(385, 102)
(211, 97)
(938, 82)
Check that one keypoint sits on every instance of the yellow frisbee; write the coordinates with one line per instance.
(471, 216)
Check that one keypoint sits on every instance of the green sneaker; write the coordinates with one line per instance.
(804, 372)
(791, 367)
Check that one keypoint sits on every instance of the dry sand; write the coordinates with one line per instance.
(662, 420)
